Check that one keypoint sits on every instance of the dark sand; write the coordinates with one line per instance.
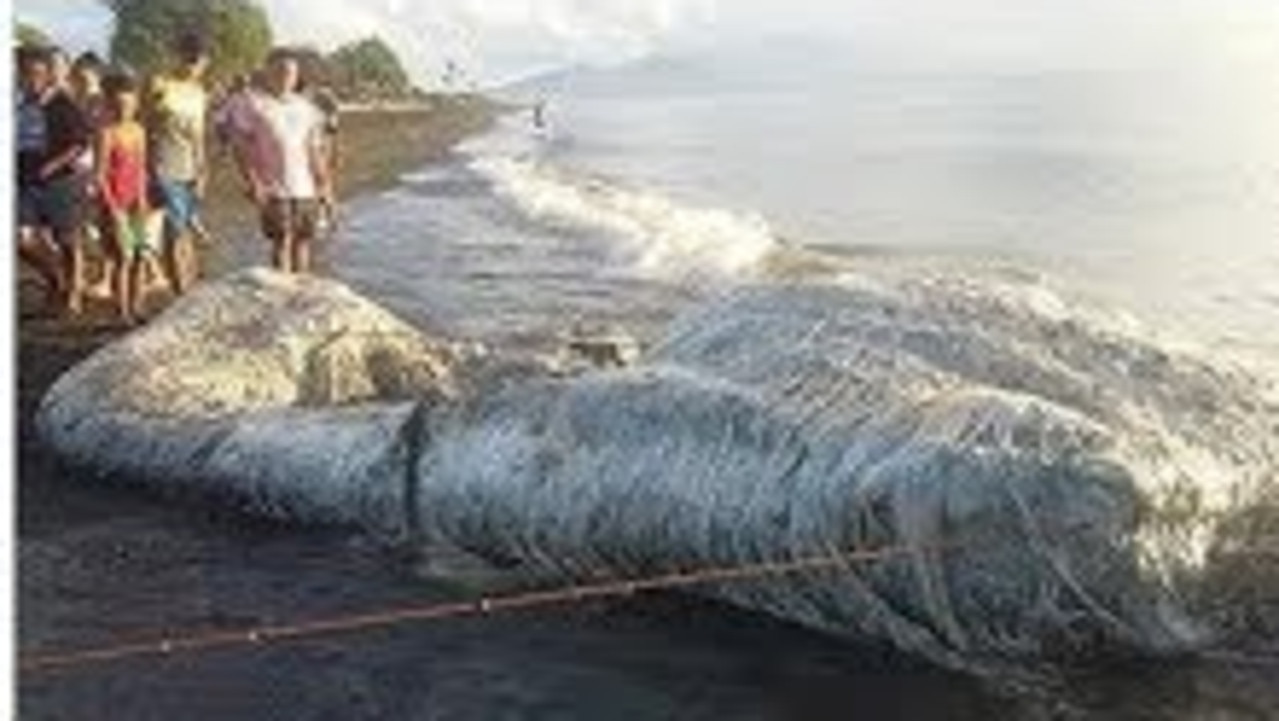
(100, 564)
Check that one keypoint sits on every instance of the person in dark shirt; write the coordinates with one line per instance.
(53, 134)
(85, 88)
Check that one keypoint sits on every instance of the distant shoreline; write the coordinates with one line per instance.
(426, 104)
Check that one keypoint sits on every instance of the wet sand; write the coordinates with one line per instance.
(104, 563)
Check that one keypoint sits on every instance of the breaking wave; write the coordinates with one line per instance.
(653, 234)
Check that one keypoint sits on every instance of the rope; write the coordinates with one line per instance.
(411, 439)
(1242, 659)
(43, 662)
(46, 662)
(49, 662)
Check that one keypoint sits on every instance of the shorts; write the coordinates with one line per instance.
(57, 204)
(139, 232)
(180, 203)
(293, 217)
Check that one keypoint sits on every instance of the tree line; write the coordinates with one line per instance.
(239, 36)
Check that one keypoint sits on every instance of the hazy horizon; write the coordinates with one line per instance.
(496, 42)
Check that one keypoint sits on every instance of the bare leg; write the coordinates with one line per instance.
(135, 285)
(118, 262)
(34, 250)
(123, 291)
(189, 257)
(153, 273)
(282, 253)
(302, 254)
(73, 269)
(172, 263)
(100, 232)
(104, 287)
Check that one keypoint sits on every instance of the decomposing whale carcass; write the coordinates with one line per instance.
(1049, 482)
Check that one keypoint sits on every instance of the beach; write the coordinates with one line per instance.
(101, 564)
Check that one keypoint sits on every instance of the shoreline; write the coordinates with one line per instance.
(101, 564)
(104, 563)
(72, 537)
(377, 150)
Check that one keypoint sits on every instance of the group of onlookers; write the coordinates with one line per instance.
(104, 154)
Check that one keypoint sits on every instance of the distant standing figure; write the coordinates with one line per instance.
(282, 164)
(539, 114)
(130, 224)
(178, 106)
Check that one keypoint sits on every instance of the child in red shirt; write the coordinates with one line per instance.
(130, 223)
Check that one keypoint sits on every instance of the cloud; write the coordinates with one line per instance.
(496, 39)
(491, 37)
(79, 24)
(1104, 33)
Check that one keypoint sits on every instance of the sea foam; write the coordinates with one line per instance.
(653, 234)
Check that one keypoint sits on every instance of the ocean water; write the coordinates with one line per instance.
(1149, 193)
(651, 188)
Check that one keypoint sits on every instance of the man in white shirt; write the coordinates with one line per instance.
(280, 152)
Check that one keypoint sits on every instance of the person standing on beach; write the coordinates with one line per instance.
(280, 154)
(85, 84)
(85, 87)
(229, 111)
(178, 106)
(52, 136)
(129, 226)
(539, 115)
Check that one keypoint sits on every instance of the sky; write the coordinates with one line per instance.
(495, 40)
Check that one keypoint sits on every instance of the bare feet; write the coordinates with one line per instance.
(99, 291)
(74, 306)
(155, 284)
(132, 316)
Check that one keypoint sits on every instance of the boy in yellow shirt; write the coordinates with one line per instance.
(179, 105)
